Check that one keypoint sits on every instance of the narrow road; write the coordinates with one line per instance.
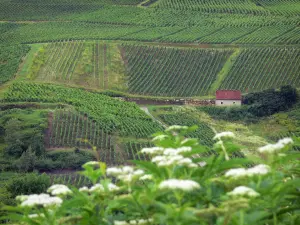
(146, 110)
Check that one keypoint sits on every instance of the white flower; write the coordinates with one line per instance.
(244, 191)
(59, 189)
(127, 178)
(133, 222)
(160, 137)
(242, 172)
(170, 151)
(42, 200)
(127, 169)
(239, 172)
(138, 172)
(91, 163)
(22, 198)
(286, 141)
(158, 159)
(177, 127)
(146, 177)
(260, 169)
(184, 149)
(224, 134)
(112, 187)
(113, 171)
(272, 148)
(84, 189)
(202, 164)
(97, 187)
(153, 150)
(116, 222)
(184, 185)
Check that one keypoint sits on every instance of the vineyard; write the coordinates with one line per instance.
(172, 72)
(10, 58)
(262, 68)
(257, 7)
(95, 65)
(112, 115)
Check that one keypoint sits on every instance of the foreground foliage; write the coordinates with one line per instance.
(178, 186)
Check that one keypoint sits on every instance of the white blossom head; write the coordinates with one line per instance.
(177, 128)
(146, 177)
(184, 185)
(44, 200)
(274, 148)
(224, 134)
(153, 150)
(236, 173)
(59, 189)
(84, 189)
(260, 169)
(160, 137)
(243, 191)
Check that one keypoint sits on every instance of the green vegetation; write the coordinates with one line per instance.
(261, 68)
(172, 72)
(218, 189)
(10, 58)
(112, 115)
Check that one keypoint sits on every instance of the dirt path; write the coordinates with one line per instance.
(146, 110)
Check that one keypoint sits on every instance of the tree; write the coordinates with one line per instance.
(27, 161)
(13, 131)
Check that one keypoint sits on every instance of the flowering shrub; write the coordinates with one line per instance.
(181, 184)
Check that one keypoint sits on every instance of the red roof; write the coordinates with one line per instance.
(228, 95)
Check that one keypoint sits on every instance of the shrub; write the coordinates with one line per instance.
(179, 187)
(31, 183)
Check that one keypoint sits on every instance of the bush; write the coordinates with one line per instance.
(28, 184)
(179, 187)
(63, 160)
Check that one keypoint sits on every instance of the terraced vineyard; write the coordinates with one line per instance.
(261, 7)
(10, 58)
(262, 68)
(171, 71)
(70, 129)
(89, 64)
(112, 115)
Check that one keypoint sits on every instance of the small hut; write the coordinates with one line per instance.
(228, 97)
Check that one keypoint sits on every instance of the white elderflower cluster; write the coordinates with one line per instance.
(243, 191)
(169, 160)
(59, 189)
(39, 200)
(153, 150)
(176, 128)
(160, 137)
(260, 169)
(126, 173)
(273, 148)
(224, 134)
(99, 188)
(184, 185)
(146, 177)
(134, 222)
